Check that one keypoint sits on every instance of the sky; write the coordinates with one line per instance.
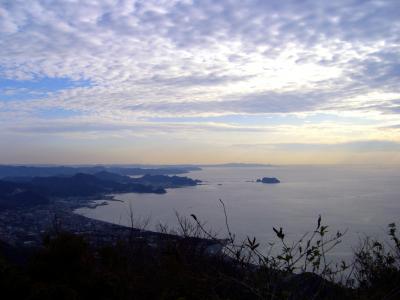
(185, 81)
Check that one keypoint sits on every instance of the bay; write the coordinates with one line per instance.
(360, 199)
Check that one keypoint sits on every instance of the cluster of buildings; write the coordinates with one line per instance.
(27, 227)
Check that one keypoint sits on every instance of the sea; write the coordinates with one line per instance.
(360, 200)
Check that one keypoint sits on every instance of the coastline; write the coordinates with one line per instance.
(27, 227)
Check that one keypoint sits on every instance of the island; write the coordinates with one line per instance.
(269, 180)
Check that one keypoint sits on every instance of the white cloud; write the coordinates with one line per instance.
(201, 58)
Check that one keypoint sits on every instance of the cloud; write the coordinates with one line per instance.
(393, 126)
(114, 42)
(353, 146)
(129, 60)
(247, 104)
(138, 128)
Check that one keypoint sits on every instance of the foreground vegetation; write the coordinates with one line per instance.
(69, 267)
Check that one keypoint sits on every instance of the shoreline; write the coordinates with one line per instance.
(27, 227)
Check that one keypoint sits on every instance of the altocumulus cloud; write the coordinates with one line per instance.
(123, 61)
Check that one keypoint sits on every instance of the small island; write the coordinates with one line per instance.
(269, 180)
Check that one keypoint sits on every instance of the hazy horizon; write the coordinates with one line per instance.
(201, 165)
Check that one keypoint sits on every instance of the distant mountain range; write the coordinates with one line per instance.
(25, 190)
(237, 165)
(36, 171)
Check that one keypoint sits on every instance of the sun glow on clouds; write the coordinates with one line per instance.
(198, 79)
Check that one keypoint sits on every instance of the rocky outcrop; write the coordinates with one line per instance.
(269, 180)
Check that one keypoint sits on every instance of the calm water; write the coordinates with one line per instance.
(363, 199)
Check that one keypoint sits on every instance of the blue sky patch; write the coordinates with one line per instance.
(12, 90)
(57, 113)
